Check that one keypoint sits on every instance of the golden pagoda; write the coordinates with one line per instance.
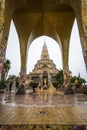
(44, 69)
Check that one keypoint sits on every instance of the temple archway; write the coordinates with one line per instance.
(49, 18)
(34, 53)
(76, 59)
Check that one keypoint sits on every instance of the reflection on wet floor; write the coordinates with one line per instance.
(42, 99)
(43, 108)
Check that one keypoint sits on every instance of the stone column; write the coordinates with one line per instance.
(49, 79)
(2, 58)
(22, 74)
(2, 47)
(81, 15)
(41, 80)
(84, 39)
(66, 77)
(85, 58)
(66, 72)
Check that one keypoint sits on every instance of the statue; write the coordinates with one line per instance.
(45, 81)
(45, 86)
(66, 80)
(68, 89)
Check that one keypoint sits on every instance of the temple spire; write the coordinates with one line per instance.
(44, 54)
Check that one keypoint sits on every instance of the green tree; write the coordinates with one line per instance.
(12, 77)
(73, 79)
(6, 67)
(79, 80)
(59, 77)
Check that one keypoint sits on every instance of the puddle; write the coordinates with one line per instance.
(42, 100)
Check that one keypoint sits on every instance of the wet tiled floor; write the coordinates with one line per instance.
(43, 108)
(74, 115)
(42, 99)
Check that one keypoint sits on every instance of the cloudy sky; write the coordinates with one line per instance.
(76, 61)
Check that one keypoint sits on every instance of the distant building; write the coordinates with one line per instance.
(44, 69)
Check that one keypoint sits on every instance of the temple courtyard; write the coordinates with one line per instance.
(43, 107)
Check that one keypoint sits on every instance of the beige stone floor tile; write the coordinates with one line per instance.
(38, 122)
(39, 119)
(68, 115)
(32, 122)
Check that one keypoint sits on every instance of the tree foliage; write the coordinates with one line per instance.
(6, 67)
(59, 77)
(12, 77)
(79, 80)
